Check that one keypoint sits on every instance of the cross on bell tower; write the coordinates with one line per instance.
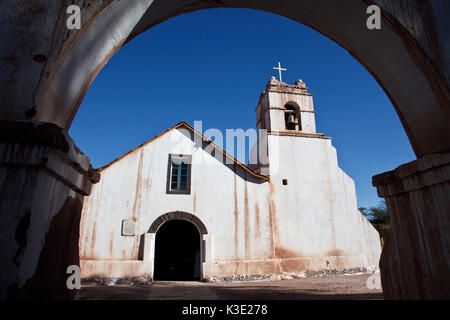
(279, 70)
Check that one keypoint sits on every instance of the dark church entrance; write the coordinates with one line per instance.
(177, 252)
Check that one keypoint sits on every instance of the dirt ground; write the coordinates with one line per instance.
(325, 287)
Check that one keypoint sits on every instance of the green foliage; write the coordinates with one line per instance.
(379, 218)
(376, 215)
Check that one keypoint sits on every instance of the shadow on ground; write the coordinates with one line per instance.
(343, 287)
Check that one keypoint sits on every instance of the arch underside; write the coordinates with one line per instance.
(382, 52)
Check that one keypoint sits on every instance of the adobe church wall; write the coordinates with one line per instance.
(316, 215)
(233, 205)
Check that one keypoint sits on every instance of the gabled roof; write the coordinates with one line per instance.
(204, 138)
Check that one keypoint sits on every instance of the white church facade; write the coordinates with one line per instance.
(179, 207)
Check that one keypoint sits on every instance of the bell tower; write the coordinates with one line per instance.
(284, 107)
(286, 123)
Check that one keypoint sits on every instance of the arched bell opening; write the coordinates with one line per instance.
(292, 118)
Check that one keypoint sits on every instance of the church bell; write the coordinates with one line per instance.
(291, 119)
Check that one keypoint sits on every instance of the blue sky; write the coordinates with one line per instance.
(211, 65)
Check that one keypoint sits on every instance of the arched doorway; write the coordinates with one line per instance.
(177, 252)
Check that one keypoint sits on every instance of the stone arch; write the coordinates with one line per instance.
(180, 215)
(403, 69)
(48, 70)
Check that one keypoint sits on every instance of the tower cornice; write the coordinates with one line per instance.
(281, 87)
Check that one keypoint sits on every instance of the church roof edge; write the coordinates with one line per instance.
(187, 125)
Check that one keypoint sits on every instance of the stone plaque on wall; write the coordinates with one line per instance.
(128, 227)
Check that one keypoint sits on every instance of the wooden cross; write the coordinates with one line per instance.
(279, 70)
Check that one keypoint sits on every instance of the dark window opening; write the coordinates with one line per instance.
(177, 252)
(285, 182)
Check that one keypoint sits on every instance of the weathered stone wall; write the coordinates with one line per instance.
(415, 261)
(37, 39)
(43, 178)
(429, 31)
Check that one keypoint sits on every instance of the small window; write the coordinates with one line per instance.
(285, 182)
(179, 174)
